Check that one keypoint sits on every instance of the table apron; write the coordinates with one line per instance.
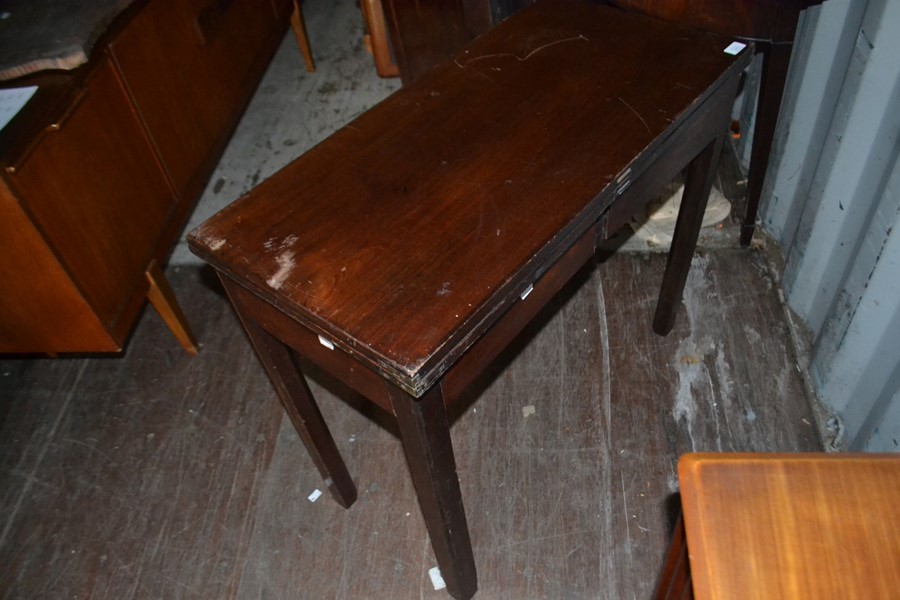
(663, 163)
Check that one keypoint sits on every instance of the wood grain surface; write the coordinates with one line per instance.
(156, 475)
(792, 526)
(401, 236)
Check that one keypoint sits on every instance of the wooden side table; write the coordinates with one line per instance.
(403, 253)
(771, 24)
(795, 526)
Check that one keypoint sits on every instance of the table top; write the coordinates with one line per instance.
(792, 526)
(407, 233)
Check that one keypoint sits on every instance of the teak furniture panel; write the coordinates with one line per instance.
(792, 526)
(106, 162)
(43, 309)
(187, 66)
(405, 251)
(97, 193)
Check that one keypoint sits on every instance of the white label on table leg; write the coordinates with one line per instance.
(326, 343)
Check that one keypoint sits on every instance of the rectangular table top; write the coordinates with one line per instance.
(792, 525)
(402, 237)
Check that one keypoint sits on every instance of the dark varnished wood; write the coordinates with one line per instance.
(776, 61)
(424, 34)
(301, 408)
(421, 222)
(690, 216)
(771, 25)
(339, 362)
(471, 364)
(428, 223)
(425, 432)
(759, 20)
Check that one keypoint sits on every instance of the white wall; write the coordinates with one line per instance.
(832, 201)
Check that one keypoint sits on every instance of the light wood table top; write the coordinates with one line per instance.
(792, 526)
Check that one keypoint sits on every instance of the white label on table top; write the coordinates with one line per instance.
(735, 48)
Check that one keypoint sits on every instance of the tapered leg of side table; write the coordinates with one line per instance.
(299, 28)
(301, 408)
(162, 298)
(697, 186)
(425, 432)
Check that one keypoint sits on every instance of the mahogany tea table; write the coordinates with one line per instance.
(404, 252)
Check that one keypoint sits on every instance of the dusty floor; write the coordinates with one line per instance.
(156, 475)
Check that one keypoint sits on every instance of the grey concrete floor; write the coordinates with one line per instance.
(293, 110)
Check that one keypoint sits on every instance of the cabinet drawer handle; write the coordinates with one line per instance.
(59, 122)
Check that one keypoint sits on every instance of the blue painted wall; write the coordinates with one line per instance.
(832, 201)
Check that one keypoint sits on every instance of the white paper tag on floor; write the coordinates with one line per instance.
(436, 580)
(315, 495)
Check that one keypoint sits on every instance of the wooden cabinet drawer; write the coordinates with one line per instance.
(188, 66)
(41, 308)
(95, 192)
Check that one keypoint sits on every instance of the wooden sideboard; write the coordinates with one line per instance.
(102, 167)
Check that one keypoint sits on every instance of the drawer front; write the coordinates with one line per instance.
(94, 189)
(189, 67)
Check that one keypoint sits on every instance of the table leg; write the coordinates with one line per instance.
(162, 298)
(675, 581)
(697, 186)
(776, 60)
(425, 431)
(298, 401)
(299, 28)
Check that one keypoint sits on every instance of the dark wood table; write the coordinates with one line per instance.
(403, 253)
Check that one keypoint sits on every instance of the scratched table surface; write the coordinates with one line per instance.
(405, 253)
